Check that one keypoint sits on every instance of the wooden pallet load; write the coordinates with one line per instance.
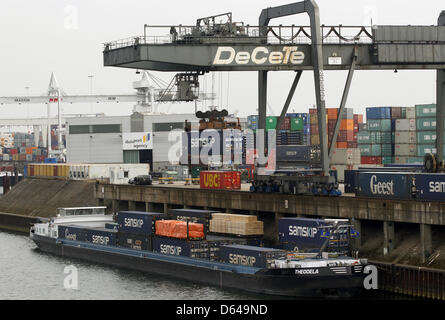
(236, 224)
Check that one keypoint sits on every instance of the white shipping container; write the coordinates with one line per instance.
(340, 171)
(410, 112)
(409, 137)
(405, 149)
(401, 160)
(405, 125)
(349, 156)
(6, 157)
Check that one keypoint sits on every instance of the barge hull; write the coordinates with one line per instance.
(306, 286)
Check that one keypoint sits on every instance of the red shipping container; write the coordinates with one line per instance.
(345, 136)
(366, 160)
(314, 129)
(352, 144)
(220, 180)
(13, 151)
(358, 118)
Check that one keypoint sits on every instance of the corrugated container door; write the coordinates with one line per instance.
(56, 171)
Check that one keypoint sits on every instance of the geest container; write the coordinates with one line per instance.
(251, 256)
(70, 233)
(137, 221)
(430, 187)
(385, 185)
(105, 237)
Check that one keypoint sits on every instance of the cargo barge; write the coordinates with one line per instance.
(236, 265)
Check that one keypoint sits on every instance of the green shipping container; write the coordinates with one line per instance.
(296, 124)
(382, 137)
(426, 124)
(376, 150)
(403, 112)
(387, 160)
(415, 160)
(425, 110)
(365, 150)
(379, 125)
(387, 150)
(364, 137)
(423, 149)
(427, 137)
(271, 123)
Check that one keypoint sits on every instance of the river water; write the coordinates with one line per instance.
(28, 273)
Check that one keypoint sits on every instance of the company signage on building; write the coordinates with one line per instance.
(137, 141)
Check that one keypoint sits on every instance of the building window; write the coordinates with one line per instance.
(79, 129)
(125, 174)
(167, 126)
(106, 128)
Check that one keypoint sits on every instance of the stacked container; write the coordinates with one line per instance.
(426, 129)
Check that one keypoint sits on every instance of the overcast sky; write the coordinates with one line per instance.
(66, 37)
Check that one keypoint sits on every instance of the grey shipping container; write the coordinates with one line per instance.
(405, 150)
(385, 185)
(251, 256)
(405, 137)
(138, 221)
(135, 241)
(406, 125)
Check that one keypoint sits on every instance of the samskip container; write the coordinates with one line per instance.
(137, 221)
(104, 237)
(251, 256)
(430, 187)
(135, 241)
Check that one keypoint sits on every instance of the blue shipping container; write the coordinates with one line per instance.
(70, 233)
(430, 187)
(304, 232)
(137, 221)
(384, 185)
(105, 237)
(249, 255)
(135, 241)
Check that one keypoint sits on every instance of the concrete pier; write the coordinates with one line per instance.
(270, 207)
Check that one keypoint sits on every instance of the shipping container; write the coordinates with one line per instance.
(426, 124)
(138, 221)
(346, 156)
(385, 185)
(251, 256)
(425, 110)
(378, 113)
(410, 112)
(112, 226)
(379, 125)
(430, 187)
(105, 237)
(135, 241)
(73, 233)
(220, 180)
(405, 150)
(408, 137)
(293, 153)
(178, 247)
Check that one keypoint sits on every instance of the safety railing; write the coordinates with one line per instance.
(244, 34)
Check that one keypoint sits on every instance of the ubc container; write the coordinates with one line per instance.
(430, 187)
(105, 237)
(220, 180)
(137, 221)
(385, 185)
(70, 233)
(135, 241)
(251, 256)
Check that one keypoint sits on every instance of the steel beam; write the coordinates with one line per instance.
(440, 103)
(311, 8)
(262, 99)
(343, 103)
(289, 99)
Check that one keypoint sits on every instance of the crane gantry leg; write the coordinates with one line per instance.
(311, 8)
(440, 107)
